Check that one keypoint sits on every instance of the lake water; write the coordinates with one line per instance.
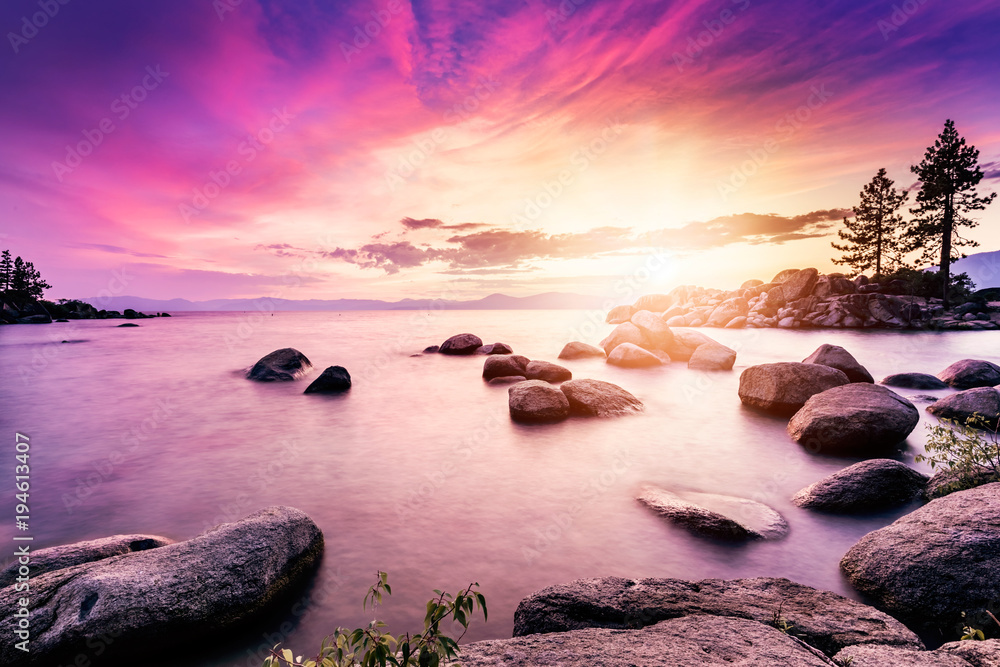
(418, 470)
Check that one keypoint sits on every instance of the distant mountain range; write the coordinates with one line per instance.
(983, 268)
(547, 301)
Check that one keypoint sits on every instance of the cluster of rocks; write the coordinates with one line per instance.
(537, 401)
(144, 591)
(466, 344)
(797, 298)
(33, 312)
(289, 365)
(644, 340)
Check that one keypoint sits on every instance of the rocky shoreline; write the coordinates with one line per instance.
(34, 312)
(804, 298)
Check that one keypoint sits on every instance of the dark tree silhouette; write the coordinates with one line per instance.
(6, 270)
(949, 174)
(23, 282)
(873, 239)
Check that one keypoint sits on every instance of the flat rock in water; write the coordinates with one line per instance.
(120, 326)
(868, 486)
(431, 349)
(837, 357)
(712, 357)
(147, 599)
(894, 656)
(284, 365)
(824, 620)
(933, 564)
(713, 515)
(628, 355)
(914, 381)
(57, 558)
(333, 380)
(713, 641)
(544, 370)
(578, 350)
(536, 401)
(504, 365)
(856, 419)
(984, 401)
(970, 373)
(594, 398)
(459, 344)
(783, 388)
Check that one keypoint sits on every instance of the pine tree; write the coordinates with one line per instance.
(6, 269)
(873, 238)
(35, 287)
(948, 174)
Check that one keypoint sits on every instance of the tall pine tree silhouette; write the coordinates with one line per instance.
(873, 238)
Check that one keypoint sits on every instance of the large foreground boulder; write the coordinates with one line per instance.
(594, 398)
(837, 357)
(822, 619)
(868, 486)
(970, 373)
(333, 380)
(504, 366)
(628, 355)
(147, 599)
(536, 401)
(914, 381)
(933, 564)
(714, 641)
(282, 365)
(460, 344)
(982, 401)
(783, 388)
(856, 419)
(578, 350)
(57, 558)
(714, 515)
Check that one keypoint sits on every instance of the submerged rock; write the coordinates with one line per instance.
(594, 398)
(284, 365)
(837, 357)
(147, 599)
(578, 350)
(783, 388)
(333, 380)
(461, 344)
(824, 620)
(970, 373)
(431, 349)
(933, 564)
(712, 515)
(868, 486)
(914, 381)
(856, 419)
(506, 379)
(536, 401)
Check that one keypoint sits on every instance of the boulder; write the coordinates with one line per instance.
(799, 285)
(629, 355)
(506, 379)
(465, 343)
(824, 620)
(727, 311)
(619, 314)
(496, 348)
(710, 641)
(536, 401)
(869, 486)
(782, 276)
(578, 350)
(658, 335)
(545, 370)
(857, 419)
(127, 325)
(837, 357)
(626, 332)
(970, 373)
(934, 563)
(686, 342)
(333, 380)
(282, 365)
(501, 366)
(753, 282)
(783, 388)
(894, 656)
(984, 401)
(712, 515)
(948, 480)
(147, 599)
(431, 349)
(712, 357)
(594, 398)
(914, 381)
(737, 323)
(976, 653)
(57, 558)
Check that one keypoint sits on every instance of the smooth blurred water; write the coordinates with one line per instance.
(418, 470)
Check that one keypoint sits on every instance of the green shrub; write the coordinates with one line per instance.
(371, 646)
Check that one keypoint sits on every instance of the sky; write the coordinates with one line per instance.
(209, 149)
